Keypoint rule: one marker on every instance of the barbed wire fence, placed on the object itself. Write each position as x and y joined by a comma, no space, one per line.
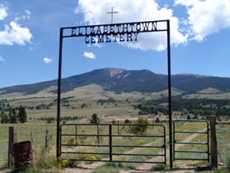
42,138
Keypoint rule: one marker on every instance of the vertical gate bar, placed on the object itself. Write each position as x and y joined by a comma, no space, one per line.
110,143
169,93
76,132
165,152
59,94
208,141
174,139
60,141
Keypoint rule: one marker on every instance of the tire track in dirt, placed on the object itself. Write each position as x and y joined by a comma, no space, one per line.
144,168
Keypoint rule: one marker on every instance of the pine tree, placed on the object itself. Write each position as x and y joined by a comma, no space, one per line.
4,117
22,115
12,116
94,119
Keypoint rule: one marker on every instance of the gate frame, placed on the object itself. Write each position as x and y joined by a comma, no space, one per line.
61,39
110,145
207,133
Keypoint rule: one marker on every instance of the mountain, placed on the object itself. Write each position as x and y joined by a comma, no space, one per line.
121,80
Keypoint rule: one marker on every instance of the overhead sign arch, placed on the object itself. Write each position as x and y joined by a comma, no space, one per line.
111,33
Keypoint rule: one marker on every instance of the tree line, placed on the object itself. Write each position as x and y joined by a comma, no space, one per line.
14,115
201,107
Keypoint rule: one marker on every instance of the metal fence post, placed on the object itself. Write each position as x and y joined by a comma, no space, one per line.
76,135
208,141
110,143
165,151
169,95
174,139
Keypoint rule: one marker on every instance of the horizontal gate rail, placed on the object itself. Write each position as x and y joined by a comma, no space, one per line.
192,143
195,159
110,146
117,161
187,132
184,151
114,146
84,153
95,135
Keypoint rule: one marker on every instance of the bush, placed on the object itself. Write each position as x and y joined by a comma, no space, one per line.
46,163
12,116
140,126
159,167
65,163
22,115
28,170
127,121
92,157
140,142
4,117
94,119
228,162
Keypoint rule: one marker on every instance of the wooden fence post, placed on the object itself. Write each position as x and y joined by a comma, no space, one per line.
46,140
98,134
213,143
10,146
76,133
118,127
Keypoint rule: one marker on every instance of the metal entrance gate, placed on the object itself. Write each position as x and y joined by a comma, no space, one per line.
192,143
130,143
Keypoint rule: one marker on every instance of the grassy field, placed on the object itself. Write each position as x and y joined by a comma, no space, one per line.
36,133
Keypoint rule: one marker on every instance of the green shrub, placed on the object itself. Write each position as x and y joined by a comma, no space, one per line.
221,170
108,168
228,162
140,142
159,167
140,126
47,163
127,121
92,157
65,163
27,170
94,119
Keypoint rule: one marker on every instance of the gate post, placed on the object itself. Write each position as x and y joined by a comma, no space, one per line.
110,143
213,142
10,146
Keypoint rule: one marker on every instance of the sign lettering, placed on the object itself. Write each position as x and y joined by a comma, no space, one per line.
113,32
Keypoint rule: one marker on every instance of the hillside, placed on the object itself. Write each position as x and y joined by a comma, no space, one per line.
120,80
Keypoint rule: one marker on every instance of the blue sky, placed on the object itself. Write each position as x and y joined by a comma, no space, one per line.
29,33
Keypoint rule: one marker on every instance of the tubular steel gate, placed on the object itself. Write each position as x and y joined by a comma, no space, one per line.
114,143
193,143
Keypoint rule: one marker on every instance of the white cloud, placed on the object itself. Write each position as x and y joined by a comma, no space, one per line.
2,59
134,10
14,33
206,17
89,55
24,16
47,60
3,12
28,12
